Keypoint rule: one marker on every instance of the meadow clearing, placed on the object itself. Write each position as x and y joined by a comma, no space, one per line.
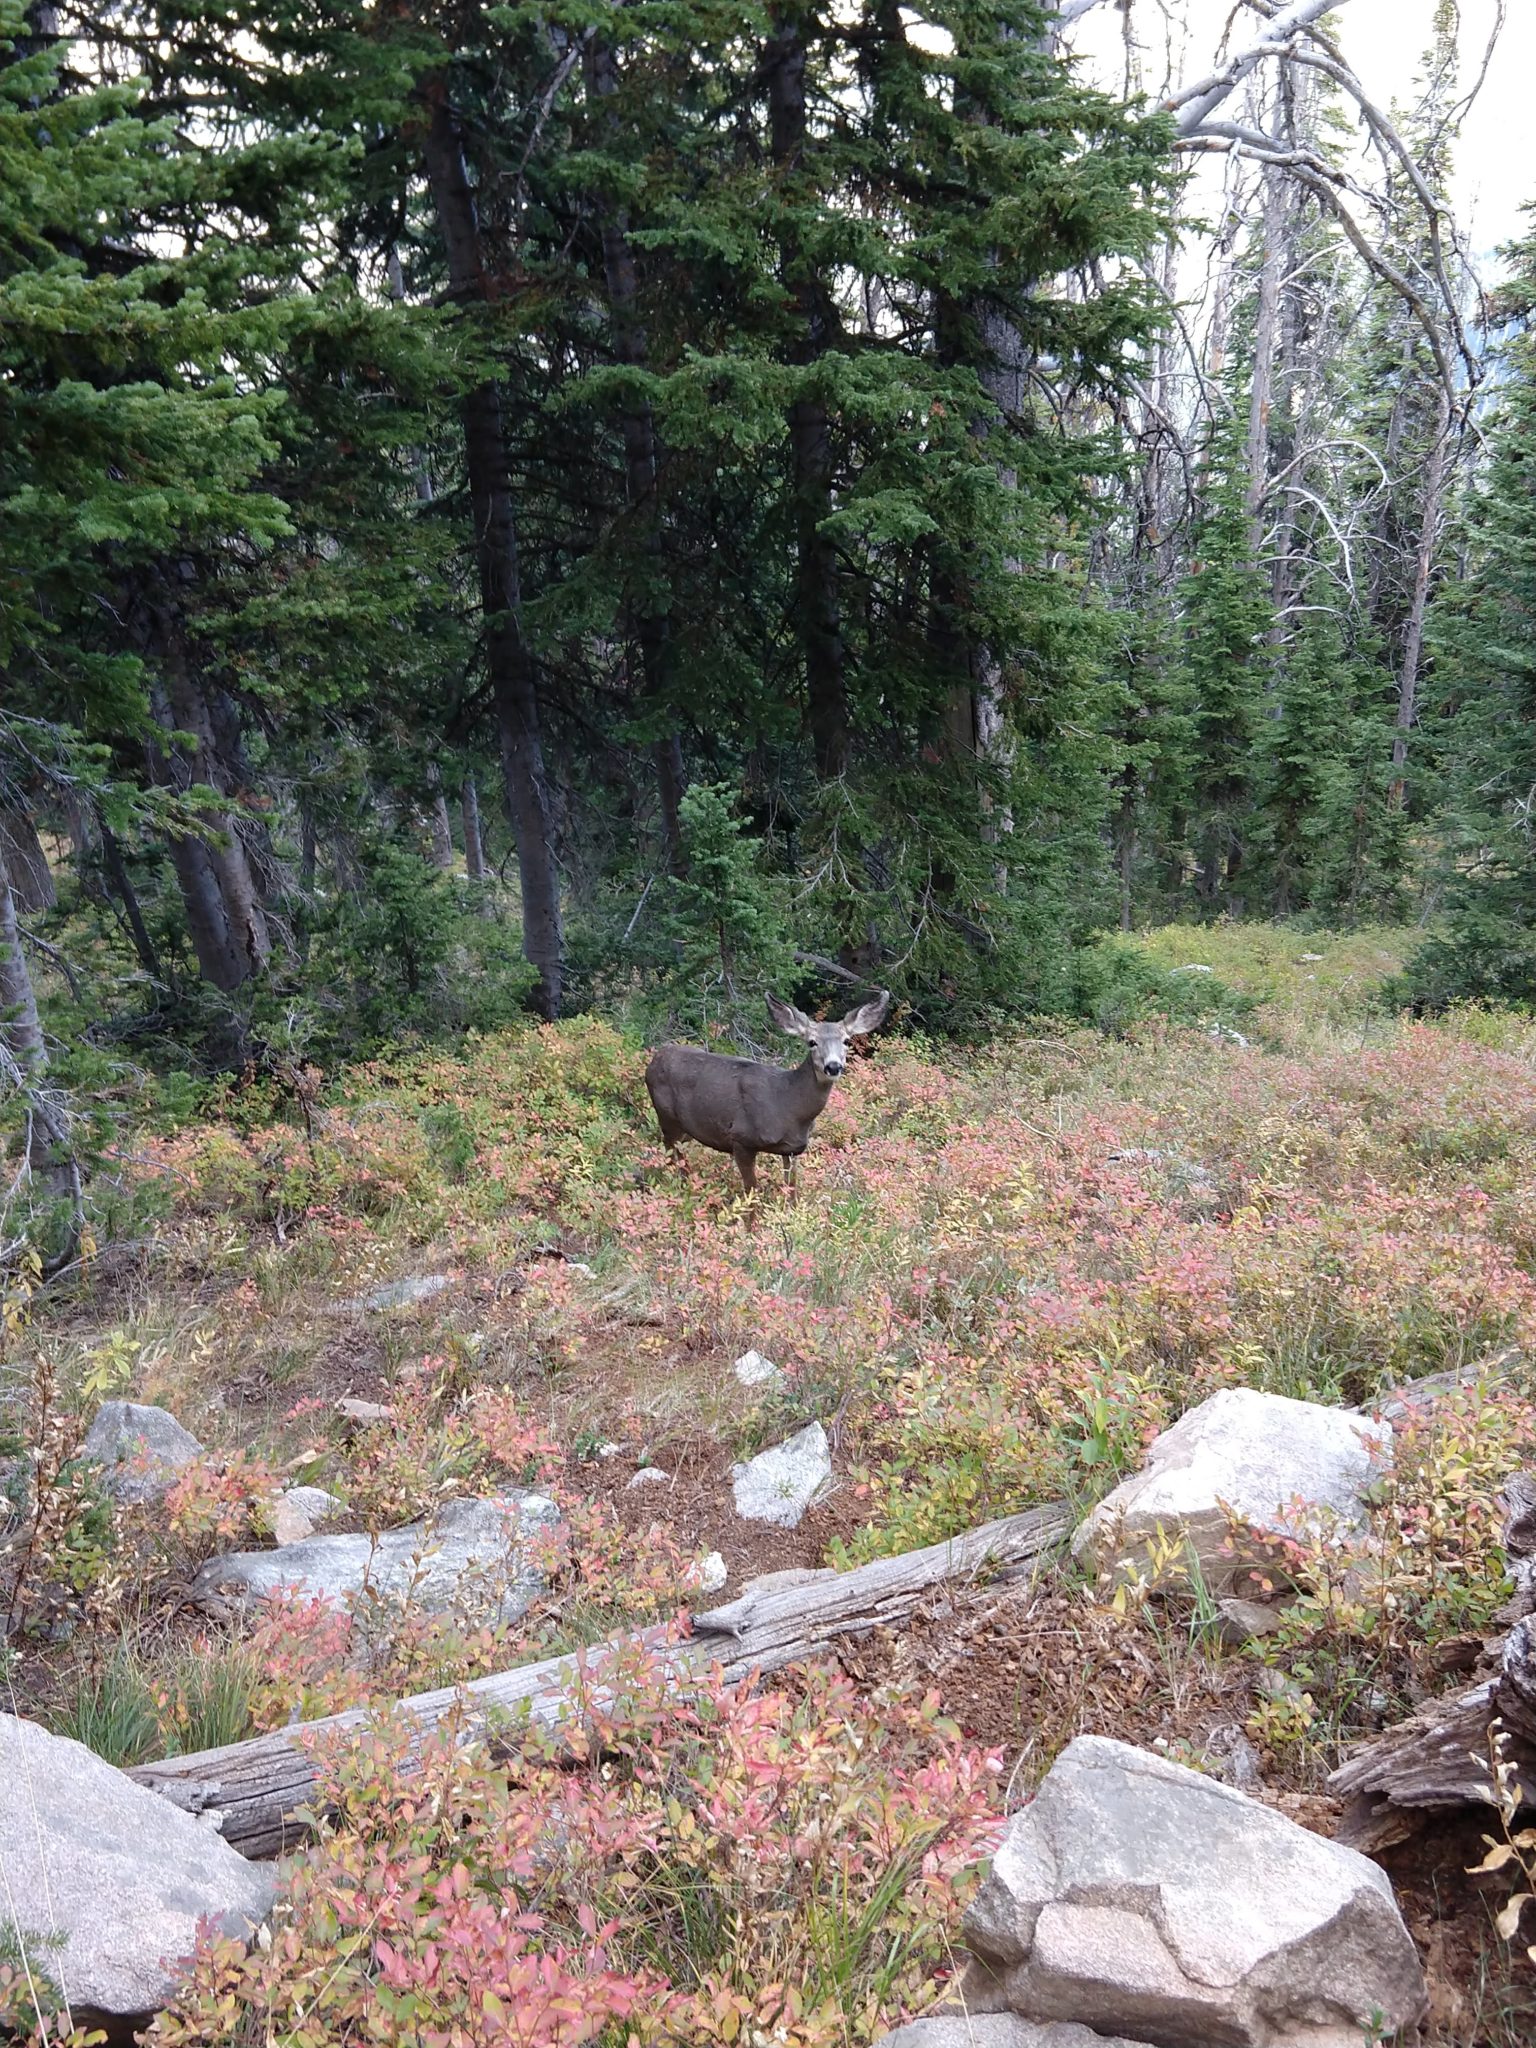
1009,1267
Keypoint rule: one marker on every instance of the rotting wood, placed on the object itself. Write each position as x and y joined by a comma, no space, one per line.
257,1788
1442,1756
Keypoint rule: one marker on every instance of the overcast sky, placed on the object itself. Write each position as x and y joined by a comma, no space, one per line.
1384,40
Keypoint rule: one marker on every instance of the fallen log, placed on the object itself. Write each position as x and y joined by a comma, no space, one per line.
253,1792
1444,1755
1395,1404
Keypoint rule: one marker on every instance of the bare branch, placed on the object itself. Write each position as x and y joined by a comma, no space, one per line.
1194,104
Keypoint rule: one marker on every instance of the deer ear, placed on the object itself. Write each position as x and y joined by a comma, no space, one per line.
789,1019
868,1016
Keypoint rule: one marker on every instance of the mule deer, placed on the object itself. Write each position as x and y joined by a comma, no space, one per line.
745,1107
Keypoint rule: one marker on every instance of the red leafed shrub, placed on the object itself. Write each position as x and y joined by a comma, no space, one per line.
726,1868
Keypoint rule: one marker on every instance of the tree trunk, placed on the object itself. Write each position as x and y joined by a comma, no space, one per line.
510,662
1413,637
224,912
118,876
50,1160
1126,836
1266,331
440,823
22,852
817,591
474,845
637,426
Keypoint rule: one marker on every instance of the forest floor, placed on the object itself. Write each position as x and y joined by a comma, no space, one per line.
1008,1268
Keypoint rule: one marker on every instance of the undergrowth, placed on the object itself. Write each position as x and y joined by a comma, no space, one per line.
1008,1270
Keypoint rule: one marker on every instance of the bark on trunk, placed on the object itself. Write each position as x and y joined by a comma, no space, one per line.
50,1158
223,905
637,426
1413,637
817,583
1126,836
474,844
510,662
22,852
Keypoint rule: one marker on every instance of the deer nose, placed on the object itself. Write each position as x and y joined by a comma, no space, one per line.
834,1068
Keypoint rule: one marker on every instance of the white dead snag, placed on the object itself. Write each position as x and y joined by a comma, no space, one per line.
1424,560
1194,104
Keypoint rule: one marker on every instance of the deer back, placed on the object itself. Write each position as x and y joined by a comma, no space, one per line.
726,1103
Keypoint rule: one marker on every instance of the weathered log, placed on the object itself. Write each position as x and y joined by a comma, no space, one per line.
258,1788
1395,1403
1443,1755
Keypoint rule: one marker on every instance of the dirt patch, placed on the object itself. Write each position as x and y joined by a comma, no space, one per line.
1482,1990
695,1503
1028,1667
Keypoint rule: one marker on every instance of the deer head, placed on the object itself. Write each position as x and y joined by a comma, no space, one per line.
829,1042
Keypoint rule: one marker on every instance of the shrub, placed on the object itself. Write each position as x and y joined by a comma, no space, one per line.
736,1868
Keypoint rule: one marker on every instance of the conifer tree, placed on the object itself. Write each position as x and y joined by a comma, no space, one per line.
1485,643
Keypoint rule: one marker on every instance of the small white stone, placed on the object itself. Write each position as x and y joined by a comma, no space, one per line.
753,1369
296,1514
350,1409
707,1574
648,1475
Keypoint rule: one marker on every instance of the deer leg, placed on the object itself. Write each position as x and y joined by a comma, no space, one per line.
746,1166
791,1180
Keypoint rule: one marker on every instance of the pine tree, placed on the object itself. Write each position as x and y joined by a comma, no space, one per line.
1225,617
1485,646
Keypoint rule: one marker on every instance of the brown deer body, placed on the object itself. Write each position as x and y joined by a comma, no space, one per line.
746,1107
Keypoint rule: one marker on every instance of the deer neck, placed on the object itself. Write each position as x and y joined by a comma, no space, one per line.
811,1090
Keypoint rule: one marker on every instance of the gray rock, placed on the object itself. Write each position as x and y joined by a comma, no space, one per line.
140,1449
397,1294
471,1554
779,1485
1242,1620
754,1370
108,1880
997,2030
296,1514
1144,1899
1228,1754
1276,1464
648,1475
